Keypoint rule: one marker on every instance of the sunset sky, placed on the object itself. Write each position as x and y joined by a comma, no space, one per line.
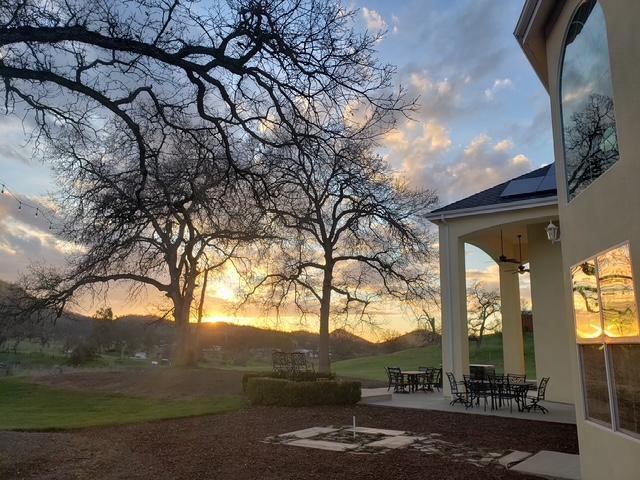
484,117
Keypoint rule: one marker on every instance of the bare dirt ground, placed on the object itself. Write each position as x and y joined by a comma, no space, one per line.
230,446
150,382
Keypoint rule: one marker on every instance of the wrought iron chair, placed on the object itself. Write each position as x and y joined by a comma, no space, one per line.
534,401
437,379
459,396
396,379
426,381
477,389
514,378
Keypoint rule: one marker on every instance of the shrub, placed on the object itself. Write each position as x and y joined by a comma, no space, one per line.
82,354
288,393
300,377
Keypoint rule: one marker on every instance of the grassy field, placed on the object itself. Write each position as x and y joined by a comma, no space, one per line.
33,356
490,352
26,406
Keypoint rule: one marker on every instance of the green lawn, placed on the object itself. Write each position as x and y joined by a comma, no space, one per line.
490,352
33,356
27,406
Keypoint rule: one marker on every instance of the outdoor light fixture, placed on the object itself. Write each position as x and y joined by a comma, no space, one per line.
553,232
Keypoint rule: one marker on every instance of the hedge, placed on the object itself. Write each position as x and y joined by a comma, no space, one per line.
300,377
288,393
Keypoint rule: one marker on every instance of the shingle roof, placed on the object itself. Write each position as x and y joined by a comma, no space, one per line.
494,195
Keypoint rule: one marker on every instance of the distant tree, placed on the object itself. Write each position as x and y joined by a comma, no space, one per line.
351,234
103,334
484,306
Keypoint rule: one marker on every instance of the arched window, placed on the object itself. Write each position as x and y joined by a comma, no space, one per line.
586,93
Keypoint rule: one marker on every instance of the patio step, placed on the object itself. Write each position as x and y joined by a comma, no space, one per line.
551,465
374,395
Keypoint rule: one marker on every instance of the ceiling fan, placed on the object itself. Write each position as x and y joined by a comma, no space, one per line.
503,258
522,269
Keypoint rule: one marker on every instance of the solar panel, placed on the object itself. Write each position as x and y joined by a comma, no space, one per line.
549,181
521,186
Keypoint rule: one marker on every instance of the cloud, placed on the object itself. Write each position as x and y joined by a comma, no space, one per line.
374,20
477,144
430,160
395,24
498,84
503,146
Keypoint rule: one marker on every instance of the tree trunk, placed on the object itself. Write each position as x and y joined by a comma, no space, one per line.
325,309
183,352
203,295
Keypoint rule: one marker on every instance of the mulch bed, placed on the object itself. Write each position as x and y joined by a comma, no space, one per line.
230,446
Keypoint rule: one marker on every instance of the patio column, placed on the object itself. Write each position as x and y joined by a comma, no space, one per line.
453,291
512,339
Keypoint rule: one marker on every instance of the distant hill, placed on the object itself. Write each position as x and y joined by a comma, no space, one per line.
414,339
237,337
74,328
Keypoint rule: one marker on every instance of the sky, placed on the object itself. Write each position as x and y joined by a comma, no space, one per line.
483,118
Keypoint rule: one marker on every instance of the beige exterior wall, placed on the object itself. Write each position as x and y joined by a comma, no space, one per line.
551,327
605,213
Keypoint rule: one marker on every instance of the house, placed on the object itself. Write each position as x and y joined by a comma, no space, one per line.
584,302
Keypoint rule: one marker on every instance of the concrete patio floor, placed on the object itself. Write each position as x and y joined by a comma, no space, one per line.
558,412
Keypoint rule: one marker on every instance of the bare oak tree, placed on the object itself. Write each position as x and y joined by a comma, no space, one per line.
351,234
484,305
160,70
244,67
189,219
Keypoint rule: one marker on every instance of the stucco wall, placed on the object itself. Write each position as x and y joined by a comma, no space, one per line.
604,214
551,326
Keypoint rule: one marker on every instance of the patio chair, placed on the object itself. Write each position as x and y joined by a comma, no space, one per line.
426,381
514,378
534,401
396,379
478,389
501,391
437,379
459,396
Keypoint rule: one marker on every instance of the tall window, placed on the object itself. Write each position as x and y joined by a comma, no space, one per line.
608,331
588,117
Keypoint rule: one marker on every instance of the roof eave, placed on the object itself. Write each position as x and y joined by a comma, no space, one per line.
436,217
531,31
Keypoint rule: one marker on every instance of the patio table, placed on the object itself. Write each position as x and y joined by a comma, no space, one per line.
413,378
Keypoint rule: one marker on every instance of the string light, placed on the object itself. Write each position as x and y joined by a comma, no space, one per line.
38,210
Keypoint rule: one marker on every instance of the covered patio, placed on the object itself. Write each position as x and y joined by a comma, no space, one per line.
437,401
508,222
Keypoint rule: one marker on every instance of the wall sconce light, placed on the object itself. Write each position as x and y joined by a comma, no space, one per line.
553,232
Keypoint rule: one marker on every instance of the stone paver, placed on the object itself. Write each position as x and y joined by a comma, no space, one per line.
323,445
310,432
379,431
398,441
513,457
548,464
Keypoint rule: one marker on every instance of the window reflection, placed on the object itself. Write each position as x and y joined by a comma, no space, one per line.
616,293
594,373
585,300
626,367
590,140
